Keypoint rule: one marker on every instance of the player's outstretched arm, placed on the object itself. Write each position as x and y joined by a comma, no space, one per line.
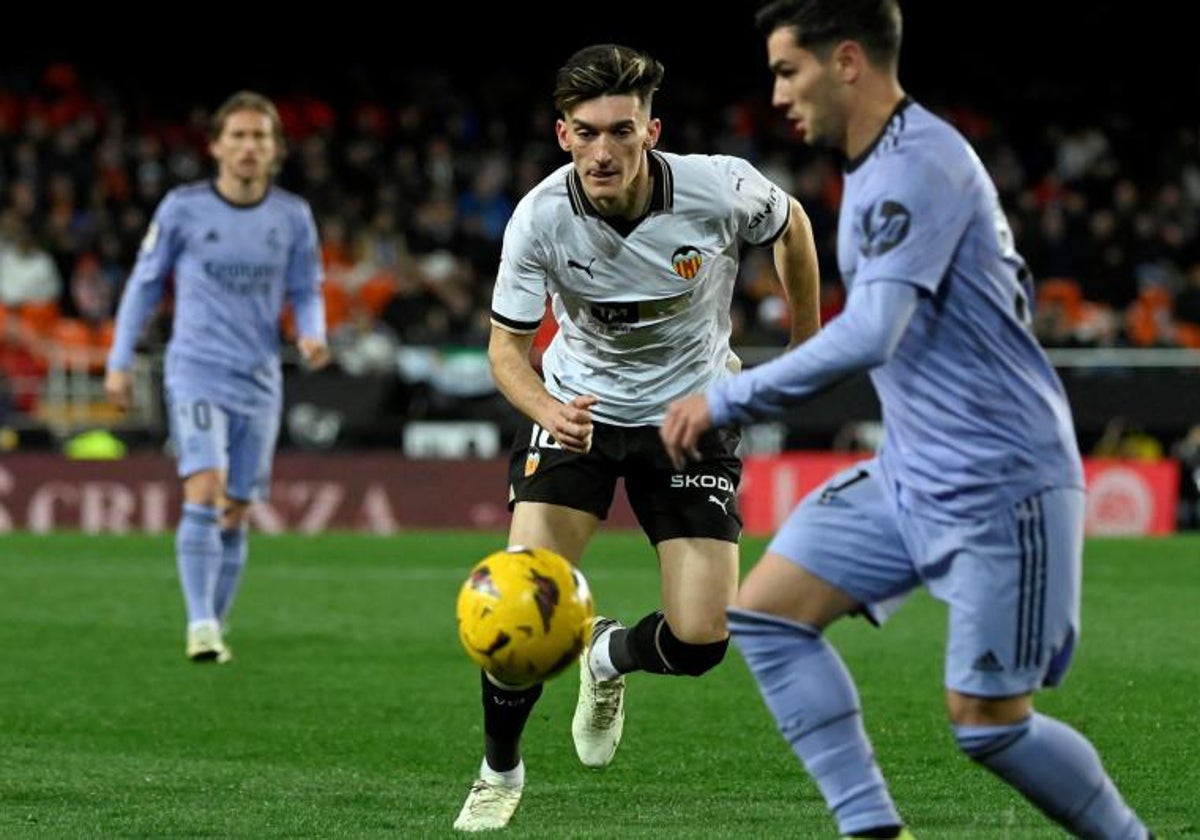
864,336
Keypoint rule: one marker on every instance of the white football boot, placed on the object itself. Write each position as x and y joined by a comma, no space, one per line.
600,711
205,644
491,802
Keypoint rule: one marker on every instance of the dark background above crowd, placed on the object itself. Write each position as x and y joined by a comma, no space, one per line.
1068,59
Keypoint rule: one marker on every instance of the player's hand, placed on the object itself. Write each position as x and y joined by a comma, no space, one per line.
571,424
686,420
118,387
314,352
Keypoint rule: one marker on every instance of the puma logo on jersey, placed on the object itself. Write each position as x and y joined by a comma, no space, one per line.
586,269
719,503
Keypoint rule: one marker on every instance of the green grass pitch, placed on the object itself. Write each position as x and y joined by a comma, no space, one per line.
351,711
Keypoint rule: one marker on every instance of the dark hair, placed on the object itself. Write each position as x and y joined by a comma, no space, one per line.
820,25
606,70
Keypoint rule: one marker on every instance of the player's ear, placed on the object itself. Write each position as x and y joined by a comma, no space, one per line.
848,61
653,131
563,134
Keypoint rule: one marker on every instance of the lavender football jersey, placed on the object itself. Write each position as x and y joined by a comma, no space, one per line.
233,268
975,416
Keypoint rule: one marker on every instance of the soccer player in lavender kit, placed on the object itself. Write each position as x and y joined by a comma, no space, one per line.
238,247
977,491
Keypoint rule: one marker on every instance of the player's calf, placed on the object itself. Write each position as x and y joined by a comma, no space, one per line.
1056,769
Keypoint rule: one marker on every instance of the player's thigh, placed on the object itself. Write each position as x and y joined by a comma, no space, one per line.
558,498
698,502
844,533
1012,584
542,472
778,586
563,530
199,430
699,580
252,438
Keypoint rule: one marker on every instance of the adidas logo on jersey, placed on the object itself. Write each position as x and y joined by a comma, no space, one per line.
988,663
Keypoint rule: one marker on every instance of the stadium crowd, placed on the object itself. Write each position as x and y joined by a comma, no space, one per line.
412,195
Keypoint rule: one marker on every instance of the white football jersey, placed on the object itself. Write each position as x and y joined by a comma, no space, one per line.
642,309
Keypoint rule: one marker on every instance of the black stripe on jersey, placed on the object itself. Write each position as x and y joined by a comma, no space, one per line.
1023,585
509,324
579,202
893,128
1039,584
1032,601
664,197
775,236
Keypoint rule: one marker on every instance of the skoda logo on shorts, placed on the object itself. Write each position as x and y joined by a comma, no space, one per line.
702,482
882,226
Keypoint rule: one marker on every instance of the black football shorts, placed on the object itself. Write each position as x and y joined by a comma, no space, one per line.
700,501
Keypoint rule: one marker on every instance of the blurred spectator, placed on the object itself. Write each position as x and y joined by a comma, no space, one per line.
1107,274
1148,320
1110,206
28,273
380,246
364,345
95,283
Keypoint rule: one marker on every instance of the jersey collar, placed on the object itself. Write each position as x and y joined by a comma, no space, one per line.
893,126
662,191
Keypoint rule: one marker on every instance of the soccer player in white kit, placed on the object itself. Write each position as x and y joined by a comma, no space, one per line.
637,251
977,491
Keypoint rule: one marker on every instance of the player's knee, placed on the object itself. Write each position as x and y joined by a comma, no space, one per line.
234,515
203,488
981,743
657,649
972,710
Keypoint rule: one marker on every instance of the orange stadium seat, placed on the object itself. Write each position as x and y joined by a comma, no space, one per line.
1188,335
337,304
38,317
74,343
376,292
1064,292
1147,316
102,334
